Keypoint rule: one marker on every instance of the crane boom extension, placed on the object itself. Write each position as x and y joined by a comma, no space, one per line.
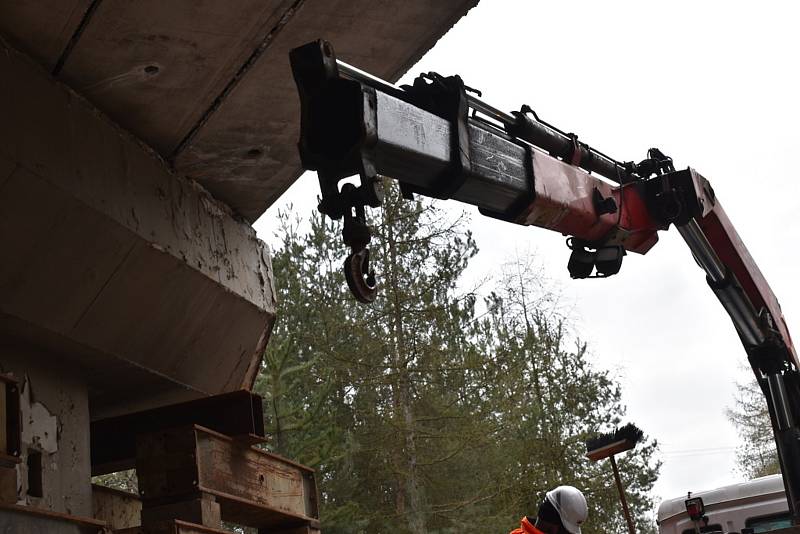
438,139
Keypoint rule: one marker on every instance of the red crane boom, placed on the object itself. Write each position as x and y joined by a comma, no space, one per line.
438,139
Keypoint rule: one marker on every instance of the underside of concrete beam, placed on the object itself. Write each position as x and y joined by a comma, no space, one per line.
208,84
117,263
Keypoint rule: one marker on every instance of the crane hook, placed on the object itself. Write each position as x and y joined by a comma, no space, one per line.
360,277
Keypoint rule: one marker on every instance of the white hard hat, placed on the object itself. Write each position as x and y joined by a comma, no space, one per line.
571,506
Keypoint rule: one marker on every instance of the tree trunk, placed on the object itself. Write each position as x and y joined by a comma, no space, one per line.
408,499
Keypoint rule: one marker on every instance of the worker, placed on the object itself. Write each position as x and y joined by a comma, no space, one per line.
562,512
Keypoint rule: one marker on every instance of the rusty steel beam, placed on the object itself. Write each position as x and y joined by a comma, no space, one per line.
113,440
251,486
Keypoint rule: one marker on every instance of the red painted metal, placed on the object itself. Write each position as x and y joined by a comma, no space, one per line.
564,203
730,249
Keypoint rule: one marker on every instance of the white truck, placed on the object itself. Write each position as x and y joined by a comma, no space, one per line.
758,505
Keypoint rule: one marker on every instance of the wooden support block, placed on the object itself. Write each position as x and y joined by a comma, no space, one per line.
253,487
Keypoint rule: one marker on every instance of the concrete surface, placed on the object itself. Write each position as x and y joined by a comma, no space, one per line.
128,270
49,387
207,84
137,140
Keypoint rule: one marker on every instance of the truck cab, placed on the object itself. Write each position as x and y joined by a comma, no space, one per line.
758,505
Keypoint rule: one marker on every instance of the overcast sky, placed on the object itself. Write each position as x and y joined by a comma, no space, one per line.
714,85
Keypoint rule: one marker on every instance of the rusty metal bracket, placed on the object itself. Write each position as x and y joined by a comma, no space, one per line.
196,474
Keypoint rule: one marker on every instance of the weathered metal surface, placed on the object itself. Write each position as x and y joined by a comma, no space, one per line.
119,509
126,269
238,413
253,487
28,520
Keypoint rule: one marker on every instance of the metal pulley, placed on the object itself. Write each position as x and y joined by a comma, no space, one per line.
359,275
360,278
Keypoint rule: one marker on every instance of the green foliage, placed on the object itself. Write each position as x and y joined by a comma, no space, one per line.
756,454
554,400
431,410
121,480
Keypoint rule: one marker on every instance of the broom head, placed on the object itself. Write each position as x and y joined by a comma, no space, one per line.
622,439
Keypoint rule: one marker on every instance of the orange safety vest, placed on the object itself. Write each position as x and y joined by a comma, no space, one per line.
526,527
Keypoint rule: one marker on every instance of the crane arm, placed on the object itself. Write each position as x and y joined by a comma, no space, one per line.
437,138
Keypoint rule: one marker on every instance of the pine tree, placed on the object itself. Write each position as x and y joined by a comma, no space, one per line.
418,414
393,373
756,454
555,399
416,347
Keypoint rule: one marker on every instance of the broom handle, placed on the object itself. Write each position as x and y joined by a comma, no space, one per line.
622,496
